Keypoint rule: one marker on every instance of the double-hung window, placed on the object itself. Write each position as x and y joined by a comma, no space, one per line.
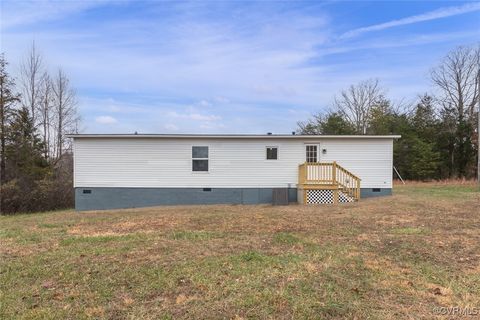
200,159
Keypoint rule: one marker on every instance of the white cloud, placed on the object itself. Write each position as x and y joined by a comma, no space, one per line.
105,120
195,116
220,99
209,126
432,15
171,127
110,105
204,103
29,12
409,40
201,117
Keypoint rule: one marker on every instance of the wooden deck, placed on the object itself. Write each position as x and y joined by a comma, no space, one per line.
327,181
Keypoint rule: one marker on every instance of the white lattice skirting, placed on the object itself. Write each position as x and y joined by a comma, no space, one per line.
344,197
319,196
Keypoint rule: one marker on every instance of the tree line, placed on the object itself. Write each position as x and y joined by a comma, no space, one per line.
439,131
36,113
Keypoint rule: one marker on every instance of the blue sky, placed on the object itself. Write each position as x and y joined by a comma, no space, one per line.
231,67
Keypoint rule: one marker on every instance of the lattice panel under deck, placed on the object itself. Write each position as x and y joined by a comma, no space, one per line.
344,197
319,196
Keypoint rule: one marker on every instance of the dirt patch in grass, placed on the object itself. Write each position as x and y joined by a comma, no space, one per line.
395,257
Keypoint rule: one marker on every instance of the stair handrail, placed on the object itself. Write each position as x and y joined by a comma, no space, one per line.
352,186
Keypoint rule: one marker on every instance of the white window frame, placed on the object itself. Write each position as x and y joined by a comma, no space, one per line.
317,145
208,159
278,153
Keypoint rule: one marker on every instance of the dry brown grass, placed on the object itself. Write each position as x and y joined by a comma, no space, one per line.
388,258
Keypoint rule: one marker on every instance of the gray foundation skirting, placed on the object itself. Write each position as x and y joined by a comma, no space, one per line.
374,192
119,198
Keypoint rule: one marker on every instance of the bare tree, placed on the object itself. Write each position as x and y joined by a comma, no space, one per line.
46,96
478,116
457,81
31,71
456,78
355,103
65,111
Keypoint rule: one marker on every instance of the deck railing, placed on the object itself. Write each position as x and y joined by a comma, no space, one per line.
316,174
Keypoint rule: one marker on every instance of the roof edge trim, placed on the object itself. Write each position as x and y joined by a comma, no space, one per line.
232,136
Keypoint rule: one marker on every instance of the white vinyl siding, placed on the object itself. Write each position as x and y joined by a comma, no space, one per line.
369,159
167,162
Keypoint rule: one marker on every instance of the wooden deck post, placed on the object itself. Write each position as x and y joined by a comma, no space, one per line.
334,172
358,190
302,174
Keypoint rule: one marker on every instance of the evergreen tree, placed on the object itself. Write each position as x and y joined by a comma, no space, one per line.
381,117
332,123
24,148
424,119
421,157
8,98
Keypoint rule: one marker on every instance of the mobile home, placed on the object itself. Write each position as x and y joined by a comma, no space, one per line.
139,170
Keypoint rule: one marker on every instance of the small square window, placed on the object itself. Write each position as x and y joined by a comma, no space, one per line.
272,153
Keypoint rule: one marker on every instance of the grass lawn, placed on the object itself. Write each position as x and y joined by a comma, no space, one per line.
389,258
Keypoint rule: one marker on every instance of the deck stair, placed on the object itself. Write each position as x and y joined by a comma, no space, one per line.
327,183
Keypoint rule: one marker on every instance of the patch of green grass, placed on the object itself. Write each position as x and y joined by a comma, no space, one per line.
410,230
49,225
407,250
10,233
73,240
194,235
21,236
438,191
285,238
431,273
252,256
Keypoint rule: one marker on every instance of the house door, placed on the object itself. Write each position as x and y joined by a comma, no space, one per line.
312,153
